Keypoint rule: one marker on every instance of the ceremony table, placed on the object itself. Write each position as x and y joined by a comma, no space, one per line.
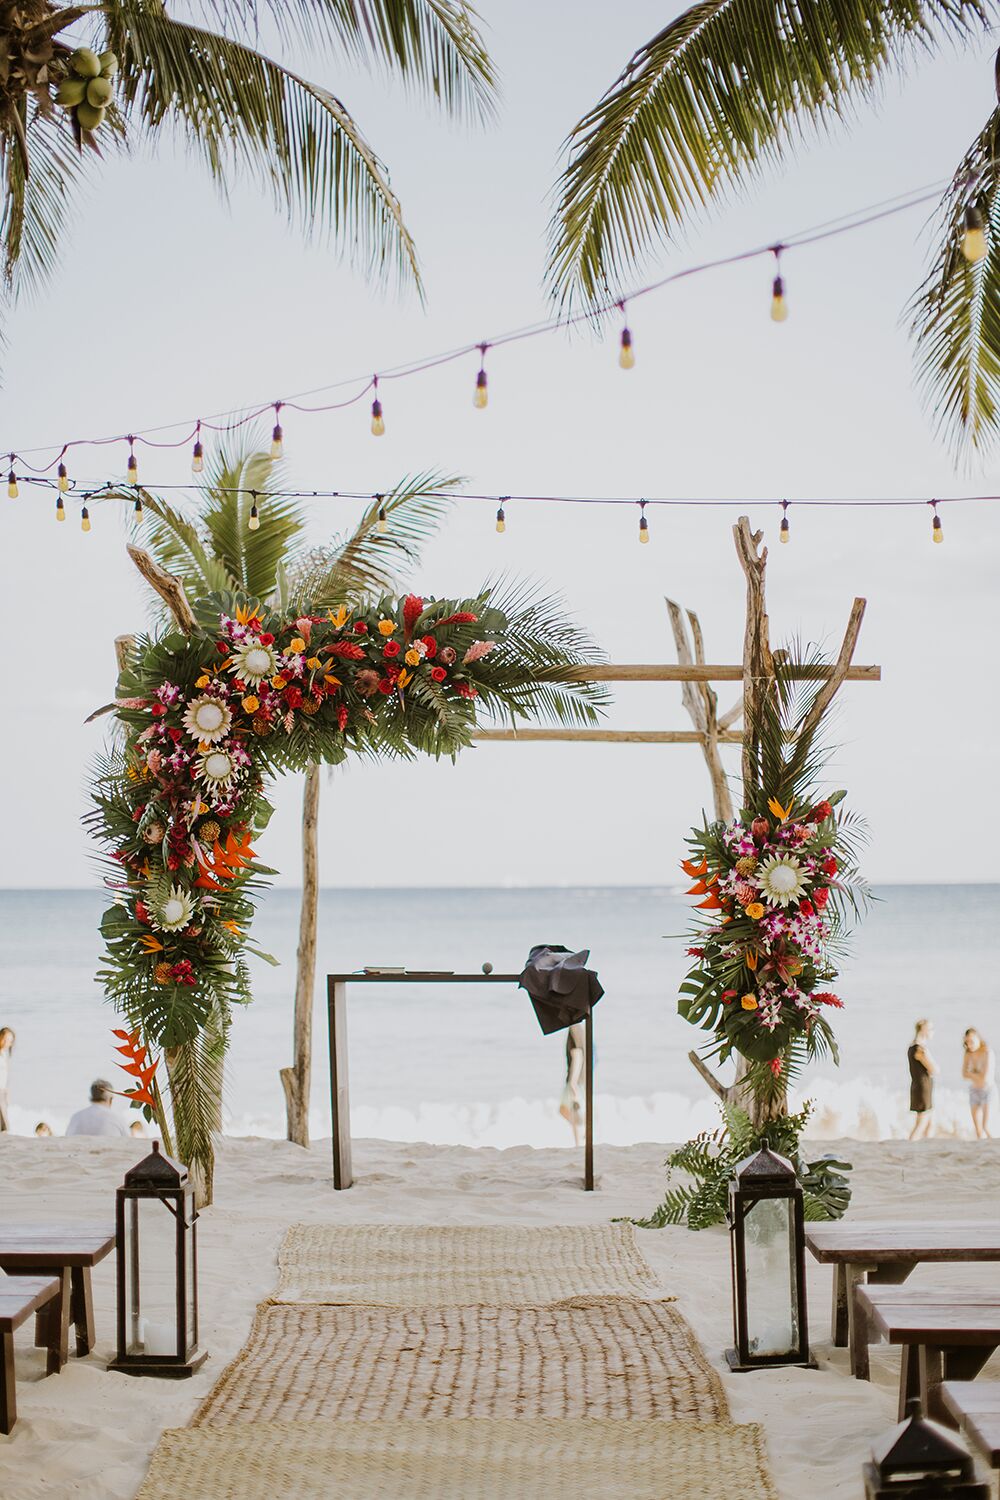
336,1002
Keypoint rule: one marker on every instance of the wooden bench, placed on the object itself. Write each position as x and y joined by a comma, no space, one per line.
974,1405
944,1336
20,1296
884,1254
69,1252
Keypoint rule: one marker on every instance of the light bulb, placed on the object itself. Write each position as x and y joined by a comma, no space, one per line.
137,509
197,458
785,532
937,530
277,441
974,245
378,425
133,469
501,521
643,530
482,395
12,490
63,479
60,509
382,525
626,354
85,519
254,521
779,307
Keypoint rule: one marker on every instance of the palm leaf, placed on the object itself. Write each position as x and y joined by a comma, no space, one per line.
955,316
239,109
716,97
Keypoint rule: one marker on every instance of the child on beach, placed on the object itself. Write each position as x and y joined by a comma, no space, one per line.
6,1048
922,1071
569,1105
979,1069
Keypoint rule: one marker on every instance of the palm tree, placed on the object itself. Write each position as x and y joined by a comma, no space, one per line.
240,111
219,553
725,92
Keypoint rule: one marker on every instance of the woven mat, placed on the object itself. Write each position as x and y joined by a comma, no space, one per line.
489,1265
465,1460
621,1359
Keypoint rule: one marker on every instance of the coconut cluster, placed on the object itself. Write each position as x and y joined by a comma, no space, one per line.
87,91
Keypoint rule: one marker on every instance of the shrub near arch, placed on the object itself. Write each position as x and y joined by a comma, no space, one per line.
211,716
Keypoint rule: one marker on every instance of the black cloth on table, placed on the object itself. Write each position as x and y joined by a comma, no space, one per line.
562,989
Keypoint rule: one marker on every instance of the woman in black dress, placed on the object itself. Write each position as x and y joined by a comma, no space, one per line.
922,1071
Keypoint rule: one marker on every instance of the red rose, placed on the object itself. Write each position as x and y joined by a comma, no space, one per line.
391,648
158,710
293,697
438,674
430,646
728,996
267,639
360,628
342,717
830,866
821,896
806,909
385,686
222,647
175,735
141,912
820,812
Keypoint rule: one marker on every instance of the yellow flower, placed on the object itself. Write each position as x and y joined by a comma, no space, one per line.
244,613
150,943
314,664
251,704
749,1002
412,658
297,643
386,627
403,678
755,910
339,617
277,683
784,813
330,680
751,959
234,928
203,681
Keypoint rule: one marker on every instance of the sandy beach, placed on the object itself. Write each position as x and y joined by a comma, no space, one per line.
88,1435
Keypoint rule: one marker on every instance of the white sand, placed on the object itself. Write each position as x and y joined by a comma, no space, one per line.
87,1435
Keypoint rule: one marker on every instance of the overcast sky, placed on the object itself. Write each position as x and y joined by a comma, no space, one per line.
168,305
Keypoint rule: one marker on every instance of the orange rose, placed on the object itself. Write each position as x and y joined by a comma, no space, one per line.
749,1002
755,910
297,644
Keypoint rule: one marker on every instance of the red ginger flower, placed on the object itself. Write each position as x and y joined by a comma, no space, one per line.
830,866
824,997
820,812
462,618
413,608
342,717
775,1066
346,649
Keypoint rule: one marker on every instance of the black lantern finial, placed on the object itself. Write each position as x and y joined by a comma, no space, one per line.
922,1460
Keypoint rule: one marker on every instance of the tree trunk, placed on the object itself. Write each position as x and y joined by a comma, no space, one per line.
297,1079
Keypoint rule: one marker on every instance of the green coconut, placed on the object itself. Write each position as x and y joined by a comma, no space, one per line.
109,64
89,115
72,91
99,92
85,62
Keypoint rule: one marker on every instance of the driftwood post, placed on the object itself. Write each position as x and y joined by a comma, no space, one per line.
297,1080
702,705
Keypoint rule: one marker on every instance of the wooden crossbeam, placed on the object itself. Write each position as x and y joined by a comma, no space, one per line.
700,672
606,736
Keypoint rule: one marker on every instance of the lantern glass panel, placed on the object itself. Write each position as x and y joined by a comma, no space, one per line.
772,1313
150,1278
191,1307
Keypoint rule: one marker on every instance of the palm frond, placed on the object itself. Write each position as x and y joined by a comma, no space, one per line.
955,316
234,481
436,46
196,1077
720,94
238,108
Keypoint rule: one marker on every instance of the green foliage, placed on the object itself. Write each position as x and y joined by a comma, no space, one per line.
710,1159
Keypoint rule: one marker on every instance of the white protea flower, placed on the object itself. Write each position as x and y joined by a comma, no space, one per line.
780,879
207,719
253,662
217,768
174,911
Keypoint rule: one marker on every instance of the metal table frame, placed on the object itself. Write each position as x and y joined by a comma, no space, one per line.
340,1105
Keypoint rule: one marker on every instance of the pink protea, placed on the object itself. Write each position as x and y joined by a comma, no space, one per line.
476,651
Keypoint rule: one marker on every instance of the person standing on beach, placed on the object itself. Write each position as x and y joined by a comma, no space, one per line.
6,1048
569,1105
979,1068
922,1071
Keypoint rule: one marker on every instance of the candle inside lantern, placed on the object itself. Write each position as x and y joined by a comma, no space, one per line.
159,1338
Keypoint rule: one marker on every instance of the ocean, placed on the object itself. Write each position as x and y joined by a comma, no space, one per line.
469,1065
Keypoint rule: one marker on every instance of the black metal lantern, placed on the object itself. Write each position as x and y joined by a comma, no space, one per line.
157,1271
767,1239
921,1460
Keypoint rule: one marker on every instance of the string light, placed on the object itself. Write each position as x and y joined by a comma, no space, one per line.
779,307
626,354
643,523
12,490
501,519
378,425
481,396
277,436
63,479
784,534
60,508
974,245
137,510
197,453
254,522
85,519
937,530
133,467
382,524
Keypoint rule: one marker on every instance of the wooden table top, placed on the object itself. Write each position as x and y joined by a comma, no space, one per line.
917,1317
20,1296
976,1405
54,1245
885,1242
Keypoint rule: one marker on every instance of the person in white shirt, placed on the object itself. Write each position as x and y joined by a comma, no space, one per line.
97,1118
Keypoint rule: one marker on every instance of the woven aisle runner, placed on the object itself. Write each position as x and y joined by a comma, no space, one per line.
531,1459
491,1265
623,1359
